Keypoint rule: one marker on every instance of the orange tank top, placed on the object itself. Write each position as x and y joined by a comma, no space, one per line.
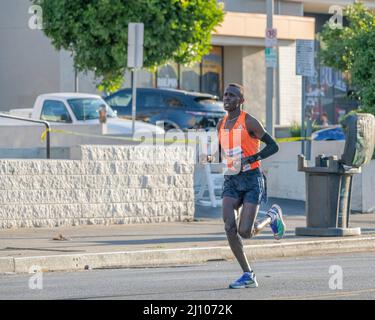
237,143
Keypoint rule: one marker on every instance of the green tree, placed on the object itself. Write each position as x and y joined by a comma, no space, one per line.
96,32
352,49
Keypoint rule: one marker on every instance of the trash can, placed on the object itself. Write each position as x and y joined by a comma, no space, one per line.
329,182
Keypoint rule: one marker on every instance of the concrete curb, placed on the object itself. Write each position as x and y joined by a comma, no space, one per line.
7,265
151,258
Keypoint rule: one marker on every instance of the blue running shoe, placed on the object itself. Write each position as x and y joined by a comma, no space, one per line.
248,280
277,224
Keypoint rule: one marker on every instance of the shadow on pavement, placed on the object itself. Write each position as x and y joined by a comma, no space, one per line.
290,207
266,235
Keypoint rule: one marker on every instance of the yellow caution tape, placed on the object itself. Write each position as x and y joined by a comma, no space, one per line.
131,139
292,139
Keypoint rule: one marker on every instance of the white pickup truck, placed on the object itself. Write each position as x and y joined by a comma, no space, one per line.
79,109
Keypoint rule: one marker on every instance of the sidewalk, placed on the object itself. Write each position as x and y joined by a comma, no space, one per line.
151,245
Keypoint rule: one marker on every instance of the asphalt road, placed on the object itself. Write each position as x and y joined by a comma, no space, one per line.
302,278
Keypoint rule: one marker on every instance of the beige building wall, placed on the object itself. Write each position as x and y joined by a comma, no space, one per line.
233,65
290,96
289,8
254,81
255,6
245,65
252,26
259,6
244,32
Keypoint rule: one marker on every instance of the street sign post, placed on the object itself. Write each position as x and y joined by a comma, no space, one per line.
271,38
305,54
271,34
305,67
135,60
271,58
135,45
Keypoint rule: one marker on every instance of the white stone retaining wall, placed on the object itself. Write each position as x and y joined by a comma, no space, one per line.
102,185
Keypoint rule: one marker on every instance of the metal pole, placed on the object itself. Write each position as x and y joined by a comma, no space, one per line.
308,135
134,99
269,77
48,138
303,116
277,89
76,80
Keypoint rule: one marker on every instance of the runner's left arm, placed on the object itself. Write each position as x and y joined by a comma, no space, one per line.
256,130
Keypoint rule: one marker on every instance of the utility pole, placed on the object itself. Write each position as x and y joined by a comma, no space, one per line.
76,80
76,74
134,98
135,61
303,117
305,67
269,76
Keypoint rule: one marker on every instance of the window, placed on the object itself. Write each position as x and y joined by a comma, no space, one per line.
172,102
207,102
55,111
206,76
328,92
88,109
190,77
122,99
151,100
168,76
212,72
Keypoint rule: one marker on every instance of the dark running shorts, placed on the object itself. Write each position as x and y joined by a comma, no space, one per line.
249,186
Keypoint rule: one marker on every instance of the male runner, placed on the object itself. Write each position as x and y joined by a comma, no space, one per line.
239,137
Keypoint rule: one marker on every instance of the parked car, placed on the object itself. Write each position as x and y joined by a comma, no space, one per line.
332,133
175,109
80,109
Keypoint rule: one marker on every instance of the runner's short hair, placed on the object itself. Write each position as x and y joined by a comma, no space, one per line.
239,87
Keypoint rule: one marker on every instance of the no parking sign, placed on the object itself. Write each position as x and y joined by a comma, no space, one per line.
271,37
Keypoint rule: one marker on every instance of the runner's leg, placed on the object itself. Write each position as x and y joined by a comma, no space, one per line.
248,227
235,242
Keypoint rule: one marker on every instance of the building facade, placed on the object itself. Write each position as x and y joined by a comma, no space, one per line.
30,66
